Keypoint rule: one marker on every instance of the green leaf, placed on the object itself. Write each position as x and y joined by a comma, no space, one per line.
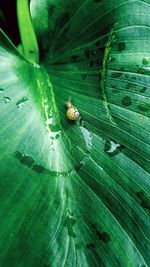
77,193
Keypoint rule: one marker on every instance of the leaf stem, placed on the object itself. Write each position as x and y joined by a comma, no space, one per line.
27,34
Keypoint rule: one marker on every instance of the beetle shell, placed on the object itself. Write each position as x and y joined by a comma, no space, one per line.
72,114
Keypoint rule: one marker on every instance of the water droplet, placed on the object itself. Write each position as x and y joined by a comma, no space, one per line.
105,237
1,90
36,66
84,75
21,102
111,146
93,53
7,99
128,85
80,166
29,162
69,223
91,63
121,46
143,89
113,59
87,137
75,57
31,51
80,122
24,159
127,101
71,172
38,168
55,135
116,74
87,53
145,200
140,195
49,121
144,107
46,104
99,63
145,61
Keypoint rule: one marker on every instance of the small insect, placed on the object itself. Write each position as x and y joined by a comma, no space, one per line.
72,112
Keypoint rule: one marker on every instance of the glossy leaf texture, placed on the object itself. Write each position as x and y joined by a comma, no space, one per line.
77,193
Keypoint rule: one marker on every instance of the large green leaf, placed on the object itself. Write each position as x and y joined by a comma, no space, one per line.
77,194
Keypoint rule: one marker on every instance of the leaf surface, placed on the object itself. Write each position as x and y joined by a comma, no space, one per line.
77,194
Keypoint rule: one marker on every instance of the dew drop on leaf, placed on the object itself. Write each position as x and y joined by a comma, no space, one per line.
7,99
36,66
144,107
69,223
87,137
121,46
49,121
31,51
87,53
91,63
58,135
75,57
145,200
84,75
24,159
143,89
116,74
127,101
21,102
38,168
105,237
47,106
1,90
145,61
80,166
111,146
93,53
